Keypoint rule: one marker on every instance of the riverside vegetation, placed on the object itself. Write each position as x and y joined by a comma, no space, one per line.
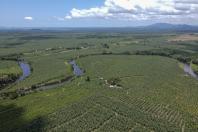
127,82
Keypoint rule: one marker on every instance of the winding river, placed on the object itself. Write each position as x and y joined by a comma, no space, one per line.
189,70
26,70
25,67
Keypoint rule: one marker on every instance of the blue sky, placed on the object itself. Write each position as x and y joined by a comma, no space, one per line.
96,13
12,12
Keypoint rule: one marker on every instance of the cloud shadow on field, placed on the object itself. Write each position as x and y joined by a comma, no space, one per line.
12,120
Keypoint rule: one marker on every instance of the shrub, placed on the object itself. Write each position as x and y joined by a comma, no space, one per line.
105,46
12,95
126,53
184,59
114,81
195,61
87,79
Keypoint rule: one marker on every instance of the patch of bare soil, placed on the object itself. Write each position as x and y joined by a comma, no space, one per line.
184,37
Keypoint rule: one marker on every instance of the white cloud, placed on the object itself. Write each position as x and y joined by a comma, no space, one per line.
140,10
29,18
59,18
68,17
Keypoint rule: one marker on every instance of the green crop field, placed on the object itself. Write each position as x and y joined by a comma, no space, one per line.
130,82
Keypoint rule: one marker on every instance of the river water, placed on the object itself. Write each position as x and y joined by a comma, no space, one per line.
76,69
26,70
188,70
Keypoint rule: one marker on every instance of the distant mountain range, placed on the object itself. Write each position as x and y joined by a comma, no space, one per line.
171,27
158,27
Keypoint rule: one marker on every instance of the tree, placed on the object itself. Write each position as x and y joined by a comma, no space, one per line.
87,79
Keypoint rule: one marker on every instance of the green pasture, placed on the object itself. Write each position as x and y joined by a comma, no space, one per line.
8,68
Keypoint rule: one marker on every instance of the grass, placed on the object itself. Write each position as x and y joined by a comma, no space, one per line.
38,105
194,67
9,67
9,72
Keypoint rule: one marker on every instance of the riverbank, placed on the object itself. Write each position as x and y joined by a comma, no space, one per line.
9,72
77,71
189,70
34,88
195,68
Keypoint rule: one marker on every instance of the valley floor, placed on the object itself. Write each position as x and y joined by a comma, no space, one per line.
129,84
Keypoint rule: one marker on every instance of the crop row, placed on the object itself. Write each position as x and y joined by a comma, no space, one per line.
159,111
90,121
107,114
137,116
163,112
122,124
